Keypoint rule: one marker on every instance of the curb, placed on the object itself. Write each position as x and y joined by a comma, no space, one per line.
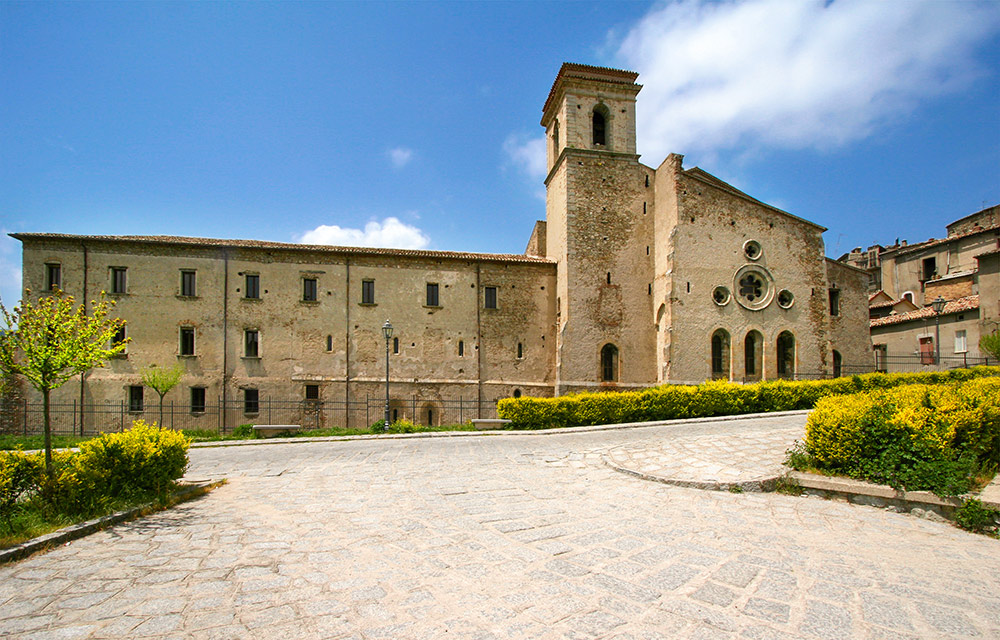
502,432
81,529
759,485
920,503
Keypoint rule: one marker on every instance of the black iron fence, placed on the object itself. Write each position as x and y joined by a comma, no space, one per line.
27,418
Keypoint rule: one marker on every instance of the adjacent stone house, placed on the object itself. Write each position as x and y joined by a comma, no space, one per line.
961,270
638,276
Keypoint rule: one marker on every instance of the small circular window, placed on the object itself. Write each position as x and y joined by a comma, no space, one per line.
752,250
785,299
754,287
721,296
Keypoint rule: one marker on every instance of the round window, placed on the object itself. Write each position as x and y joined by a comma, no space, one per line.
752,250
785,299
754,287
721,296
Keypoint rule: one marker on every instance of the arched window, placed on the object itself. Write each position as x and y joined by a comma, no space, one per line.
517,393
752,356
720,355
609,363
786,355
555,138
838,364
600,127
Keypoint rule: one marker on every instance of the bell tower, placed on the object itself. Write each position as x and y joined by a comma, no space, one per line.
599,213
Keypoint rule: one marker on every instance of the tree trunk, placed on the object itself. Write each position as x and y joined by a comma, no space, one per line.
48,433
161,410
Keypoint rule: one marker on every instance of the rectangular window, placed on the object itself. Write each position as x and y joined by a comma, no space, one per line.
490,297
961,344
251,401
367,292
929,268
188,284
834,302
309,289
432,294
461,348
53,277
395,345
312,392
197,399
187,341
118,282
252,291
135,398
251,343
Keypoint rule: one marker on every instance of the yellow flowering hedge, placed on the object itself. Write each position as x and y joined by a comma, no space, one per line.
708,399
141,463
881,434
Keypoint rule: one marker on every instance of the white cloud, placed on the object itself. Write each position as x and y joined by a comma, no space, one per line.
390,233
10,270
527,154
400,156
793,74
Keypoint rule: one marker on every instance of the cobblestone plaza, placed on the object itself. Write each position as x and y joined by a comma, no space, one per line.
510,536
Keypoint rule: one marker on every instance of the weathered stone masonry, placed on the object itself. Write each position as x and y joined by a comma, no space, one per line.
638,276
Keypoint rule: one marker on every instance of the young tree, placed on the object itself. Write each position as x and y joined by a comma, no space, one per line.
161,381
990,343
49,342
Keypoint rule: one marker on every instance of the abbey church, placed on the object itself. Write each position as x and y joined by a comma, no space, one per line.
638,276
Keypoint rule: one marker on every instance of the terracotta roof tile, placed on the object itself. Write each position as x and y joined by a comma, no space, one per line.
288,246
968,303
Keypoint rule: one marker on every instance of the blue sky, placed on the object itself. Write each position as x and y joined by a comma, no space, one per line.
416,124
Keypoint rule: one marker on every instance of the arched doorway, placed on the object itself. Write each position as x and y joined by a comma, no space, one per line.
786,355
720,355
838,364
753,356
609,363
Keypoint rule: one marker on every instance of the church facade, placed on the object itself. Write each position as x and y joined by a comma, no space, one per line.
637,277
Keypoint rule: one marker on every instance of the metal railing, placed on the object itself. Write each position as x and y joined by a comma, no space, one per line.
27,418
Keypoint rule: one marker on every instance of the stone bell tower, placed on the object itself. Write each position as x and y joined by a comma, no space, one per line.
599,219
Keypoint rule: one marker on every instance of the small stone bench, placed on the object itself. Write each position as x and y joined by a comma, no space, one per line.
489,424
268,430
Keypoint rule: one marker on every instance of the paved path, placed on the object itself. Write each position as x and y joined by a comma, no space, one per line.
512,536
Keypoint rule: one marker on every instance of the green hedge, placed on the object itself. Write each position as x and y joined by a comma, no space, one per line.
669,402
933,437
114,469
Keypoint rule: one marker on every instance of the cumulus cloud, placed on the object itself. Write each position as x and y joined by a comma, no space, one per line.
527,153
10,270
390,233
400,156
793,74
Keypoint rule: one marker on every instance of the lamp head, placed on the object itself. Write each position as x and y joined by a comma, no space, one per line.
387,329
938,305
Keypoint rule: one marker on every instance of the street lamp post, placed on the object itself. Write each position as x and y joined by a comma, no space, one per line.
387,332
938,306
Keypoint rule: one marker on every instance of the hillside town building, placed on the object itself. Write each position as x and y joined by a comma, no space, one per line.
638,276
959,269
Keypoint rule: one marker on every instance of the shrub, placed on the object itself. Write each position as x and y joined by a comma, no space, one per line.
926,437
972,515
19,474
143,461
245,431
708,399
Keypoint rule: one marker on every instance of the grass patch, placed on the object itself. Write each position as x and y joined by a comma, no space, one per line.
10,442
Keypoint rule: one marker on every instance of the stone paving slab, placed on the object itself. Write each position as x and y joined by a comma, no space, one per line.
501,537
